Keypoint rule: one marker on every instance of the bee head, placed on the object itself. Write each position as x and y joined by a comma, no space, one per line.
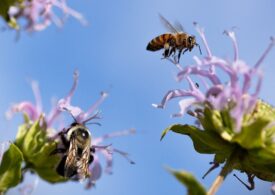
192,42
80,133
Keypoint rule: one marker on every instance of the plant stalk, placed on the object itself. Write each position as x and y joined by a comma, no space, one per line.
228,167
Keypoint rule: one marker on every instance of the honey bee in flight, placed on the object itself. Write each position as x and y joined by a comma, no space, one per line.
77,152
176,41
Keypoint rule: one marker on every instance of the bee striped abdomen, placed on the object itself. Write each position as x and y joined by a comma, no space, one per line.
158,42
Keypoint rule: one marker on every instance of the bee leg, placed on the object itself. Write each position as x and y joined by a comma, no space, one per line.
69,172
60,168
65,142
92,149
58,151
91,159
171,51
190,48
179,54
184,51
166,53
251,182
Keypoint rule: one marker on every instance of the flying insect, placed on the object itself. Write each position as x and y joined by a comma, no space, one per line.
177,40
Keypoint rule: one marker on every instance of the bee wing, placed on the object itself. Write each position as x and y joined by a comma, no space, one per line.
83,163
70,164
167,24
179,27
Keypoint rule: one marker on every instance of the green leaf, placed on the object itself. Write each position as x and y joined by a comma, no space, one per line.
264,171
207,119
36,147
227,121
252,135
4,8
13,23
30,145
48,174
21,133
205,142
10,168
218,122
177,128
187,179
220,157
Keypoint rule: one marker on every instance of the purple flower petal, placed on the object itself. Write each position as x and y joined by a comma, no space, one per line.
184,105
273,188
39,14
232,36
108,155
124,154
268,49
96,172
172,94
93,108
65,106
25,107
201,33
28,189
97,141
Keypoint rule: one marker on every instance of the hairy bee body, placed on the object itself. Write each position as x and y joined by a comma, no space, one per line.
76,152
160,41
176,41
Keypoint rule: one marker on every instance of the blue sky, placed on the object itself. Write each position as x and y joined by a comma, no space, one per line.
110,55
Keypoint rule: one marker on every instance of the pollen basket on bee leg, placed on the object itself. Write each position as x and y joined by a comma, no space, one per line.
166,46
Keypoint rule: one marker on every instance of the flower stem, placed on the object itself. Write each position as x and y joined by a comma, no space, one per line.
216,184
228,167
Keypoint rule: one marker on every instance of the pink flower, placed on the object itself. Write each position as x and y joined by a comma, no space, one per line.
39,14
107,152
80,116
35,110
235,93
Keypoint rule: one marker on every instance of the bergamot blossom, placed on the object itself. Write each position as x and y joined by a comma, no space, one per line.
91,114
39,14
35,110
235,94
38,137
233,123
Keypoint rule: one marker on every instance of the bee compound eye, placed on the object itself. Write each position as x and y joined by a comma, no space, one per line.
84,134
190,39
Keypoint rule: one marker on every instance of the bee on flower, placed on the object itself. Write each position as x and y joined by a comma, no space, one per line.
70,154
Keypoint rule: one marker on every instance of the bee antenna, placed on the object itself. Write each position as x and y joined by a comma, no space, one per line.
95,116
71,114
93,123
199,47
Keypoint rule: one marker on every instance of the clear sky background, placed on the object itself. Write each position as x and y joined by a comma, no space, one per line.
110,55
